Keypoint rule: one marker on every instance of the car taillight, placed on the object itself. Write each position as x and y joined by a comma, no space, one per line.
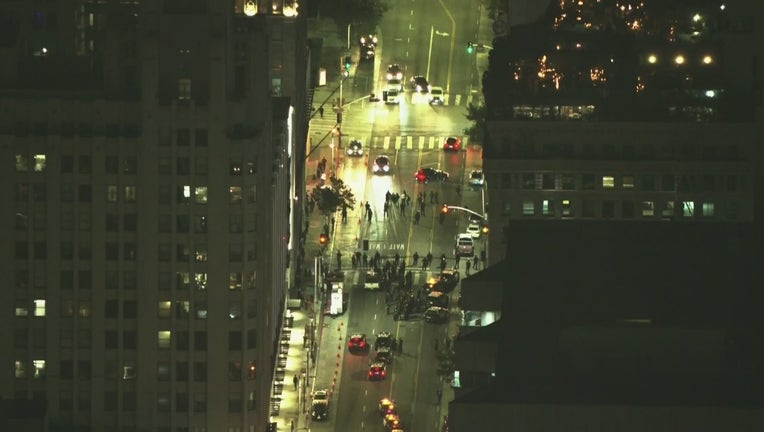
371,373
363,344
384,373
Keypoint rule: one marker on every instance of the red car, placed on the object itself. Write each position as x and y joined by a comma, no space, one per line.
452,144
377,371
357,343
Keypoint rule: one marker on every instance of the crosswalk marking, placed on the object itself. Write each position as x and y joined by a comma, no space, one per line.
420,144
432,142
458,99
386,145
398,140
409,142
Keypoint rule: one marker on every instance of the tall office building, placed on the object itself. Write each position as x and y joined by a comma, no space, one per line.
646,111
151,155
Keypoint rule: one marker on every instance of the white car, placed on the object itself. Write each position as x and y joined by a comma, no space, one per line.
395,84
437,96
473,229
477,178
393,96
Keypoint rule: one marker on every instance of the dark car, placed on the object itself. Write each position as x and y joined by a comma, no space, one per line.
355,148
420,84
426,175
437,298
452,144
436,315
446,281
384,355
394,72
320,405
357,343
377,371
384,339
381,165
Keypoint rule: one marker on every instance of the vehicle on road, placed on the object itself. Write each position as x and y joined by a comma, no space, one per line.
437,96
426,175
385,404
438,299
394,72
320,405
355,148
391,422
381,165
393,96
384,339
368,47
465,246
445,282
395,84
420,84
474,230
371,282
452,144
377,371
357,343
436,315
384,355
477,178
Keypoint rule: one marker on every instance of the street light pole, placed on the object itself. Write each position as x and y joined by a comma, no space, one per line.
348,37
429,53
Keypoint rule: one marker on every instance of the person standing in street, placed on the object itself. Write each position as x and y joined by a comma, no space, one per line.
439,394
400,346
416,258
339,260
321,111
296,381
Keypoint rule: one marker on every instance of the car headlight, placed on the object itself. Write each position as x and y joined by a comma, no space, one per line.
375,168
418,88
389,76
386,168
360,151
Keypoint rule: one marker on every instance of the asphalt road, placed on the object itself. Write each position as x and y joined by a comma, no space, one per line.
412,135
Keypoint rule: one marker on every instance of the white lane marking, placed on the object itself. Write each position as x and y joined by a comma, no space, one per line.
458,99
398,140
386,143
409,142
420,144
432,143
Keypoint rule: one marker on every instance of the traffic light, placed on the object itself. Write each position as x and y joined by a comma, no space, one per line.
323,239
470,47
444,209
348,62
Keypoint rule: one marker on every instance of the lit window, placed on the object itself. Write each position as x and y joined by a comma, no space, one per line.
628,182
39,368
567,208
529,209
84,309
547,207
200,194
165,308
129,193
184,89
201,281
235,193
235,169
252,194
668,209
251,168
200,253
648,208
39,308
251,369
200,310
20,368
22,310
39,163
234,281
112,193
608,182
688,208
708,209
234,309
128,371
22,164
507,208
164,339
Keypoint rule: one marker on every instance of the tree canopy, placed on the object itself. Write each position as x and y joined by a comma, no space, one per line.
331,197
362,15
476,114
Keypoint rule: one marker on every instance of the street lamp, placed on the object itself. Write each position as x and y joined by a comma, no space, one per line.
433,32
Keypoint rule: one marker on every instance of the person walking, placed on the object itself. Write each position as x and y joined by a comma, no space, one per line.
296,381
400,346
417,216
439,394
339,260
475,262
321,111
416,258
468,266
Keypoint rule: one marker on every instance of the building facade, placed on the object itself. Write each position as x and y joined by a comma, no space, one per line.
632,113
151,172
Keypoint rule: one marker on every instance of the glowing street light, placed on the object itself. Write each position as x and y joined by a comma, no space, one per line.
679,59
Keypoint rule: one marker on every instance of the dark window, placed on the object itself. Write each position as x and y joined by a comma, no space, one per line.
731,183
627,209
67,164
66,369
112,165
234,341
84,279
588,181
200,137
183,166
529,181
112,251
200,340
506,181
181,371
66,279
200,371
84,164
85,193
130,165
129,309
647,182
67,250
181,340
111,339
84,369
110,401
183,137
111,309
39,192
182,223
548,181
129,339
112,222
130,222
608,209
181,403
667,183
40,250
251,339
21,250
130,251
